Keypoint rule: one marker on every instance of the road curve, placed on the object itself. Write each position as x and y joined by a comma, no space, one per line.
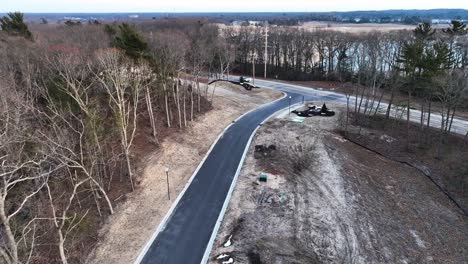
185,234
459,126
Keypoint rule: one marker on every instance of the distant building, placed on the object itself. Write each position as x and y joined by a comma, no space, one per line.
237,22
254,23
441,21
246,23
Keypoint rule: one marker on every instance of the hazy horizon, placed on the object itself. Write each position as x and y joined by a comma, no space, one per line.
206,6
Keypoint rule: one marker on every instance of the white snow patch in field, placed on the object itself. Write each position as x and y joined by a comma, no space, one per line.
231,260
228,243
419,241
387,138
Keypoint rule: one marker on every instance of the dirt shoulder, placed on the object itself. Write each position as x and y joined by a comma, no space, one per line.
327,200
127,231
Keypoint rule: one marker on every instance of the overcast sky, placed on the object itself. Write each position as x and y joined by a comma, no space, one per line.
220,5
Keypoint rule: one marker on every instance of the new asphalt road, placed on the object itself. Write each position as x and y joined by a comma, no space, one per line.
459,126
186,233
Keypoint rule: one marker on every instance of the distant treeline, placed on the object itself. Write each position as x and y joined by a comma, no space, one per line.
275,18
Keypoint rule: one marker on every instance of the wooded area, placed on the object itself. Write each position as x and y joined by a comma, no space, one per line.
426,65
77,98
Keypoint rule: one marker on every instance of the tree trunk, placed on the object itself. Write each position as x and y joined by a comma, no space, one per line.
63,257
429,109
380,101
389,108
10,238
356,90
103,192
441,136
408,121
360,103
166,104
199,96
177,101
451,119
212,94
149,107
421,125
347,114
191,104
184,104
447,118
129,168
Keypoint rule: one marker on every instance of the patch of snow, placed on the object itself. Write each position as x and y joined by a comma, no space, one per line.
340,139
222,256
228,242
229,261
419,241
387,138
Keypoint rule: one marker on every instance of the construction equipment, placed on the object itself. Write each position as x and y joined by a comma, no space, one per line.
314,110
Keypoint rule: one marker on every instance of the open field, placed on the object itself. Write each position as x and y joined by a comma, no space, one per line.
348,27
327,200
127,231
354,28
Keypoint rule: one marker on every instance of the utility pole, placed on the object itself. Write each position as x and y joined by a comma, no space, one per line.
265,59
253,68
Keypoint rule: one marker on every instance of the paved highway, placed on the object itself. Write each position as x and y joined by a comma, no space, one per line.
185,236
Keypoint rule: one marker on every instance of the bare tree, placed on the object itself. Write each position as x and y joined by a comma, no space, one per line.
63,223
123,85
22,176
169,53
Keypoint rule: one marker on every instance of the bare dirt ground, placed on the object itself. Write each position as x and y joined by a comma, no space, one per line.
328,200
127,231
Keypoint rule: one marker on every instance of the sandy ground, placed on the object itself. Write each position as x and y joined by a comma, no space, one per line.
127,231
329,201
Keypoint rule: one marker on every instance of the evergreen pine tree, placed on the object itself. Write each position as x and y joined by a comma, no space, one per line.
13,24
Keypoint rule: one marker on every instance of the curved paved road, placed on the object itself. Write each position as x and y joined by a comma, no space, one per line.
186,233
188,230
459,126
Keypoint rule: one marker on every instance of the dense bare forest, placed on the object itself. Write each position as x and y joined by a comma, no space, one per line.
425,63
79,104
